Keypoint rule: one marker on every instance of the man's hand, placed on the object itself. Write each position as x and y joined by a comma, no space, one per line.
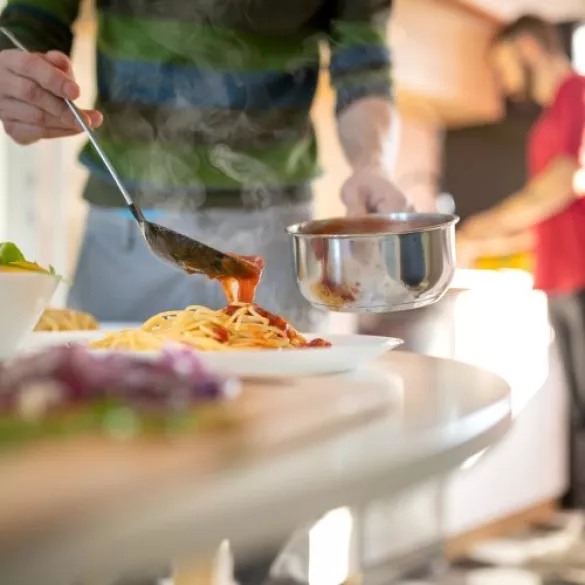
370,190
493,246
31,90
480,226
367,130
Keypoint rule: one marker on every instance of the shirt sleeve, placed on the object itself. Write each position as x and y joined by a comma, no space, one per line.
570,115
360,64
41,25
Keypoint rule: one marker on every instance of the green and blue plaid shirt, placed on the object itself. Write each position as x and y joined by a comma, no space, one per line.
213,96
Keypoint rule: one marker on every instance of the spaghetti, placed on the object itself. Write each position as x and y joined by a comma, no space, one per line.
235,327
66,320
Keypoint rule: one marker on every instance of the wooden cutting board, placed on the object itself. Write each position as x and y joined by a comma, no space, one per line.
43,483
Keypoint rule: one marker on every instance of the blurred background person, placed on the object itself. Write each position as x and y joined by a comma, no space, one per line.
206,116
548,214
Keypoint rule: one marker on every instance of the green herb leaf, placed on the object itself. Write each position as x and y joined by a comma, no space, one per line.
9,253
56,275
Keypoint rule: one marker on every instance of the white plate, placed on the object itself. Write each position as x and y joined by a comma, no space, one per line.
41,339
348,352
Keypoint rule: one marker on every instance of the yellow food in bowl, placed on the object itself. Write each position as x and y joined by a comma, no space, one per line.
23,266
13,260
518,261
66,320
26,289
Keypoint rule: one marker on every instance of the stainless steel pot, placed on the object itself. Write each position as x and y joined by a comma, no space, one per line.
377,263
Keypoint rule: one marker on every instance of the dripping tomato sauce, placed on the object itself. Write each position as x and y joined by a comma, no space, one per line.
243,288
282,324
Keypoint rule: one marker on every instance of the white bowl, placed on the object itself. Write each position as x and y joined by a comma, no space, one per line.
23,297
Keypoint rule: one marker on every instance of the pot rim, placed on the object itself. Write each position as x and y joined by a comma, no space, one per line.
437,221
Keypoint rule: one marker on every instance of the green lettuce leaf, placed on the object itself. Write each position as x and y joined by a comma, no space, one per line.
9,253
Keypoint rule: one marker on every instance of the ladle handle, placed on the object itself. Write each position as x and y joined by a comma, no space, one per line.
134,209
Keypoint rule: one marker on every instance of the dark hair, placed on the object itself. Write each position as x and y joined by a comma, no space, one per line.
545,33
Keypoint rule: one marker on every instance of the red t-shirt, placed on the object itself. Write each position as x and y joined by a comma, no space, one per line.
560,239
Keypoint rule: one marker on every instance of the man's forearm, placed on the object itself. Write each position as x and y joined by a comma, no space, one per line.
506,244
546,195
368,132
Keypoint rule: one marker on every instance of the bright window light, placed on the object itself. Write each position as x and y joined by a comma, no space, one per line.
579,49
330,548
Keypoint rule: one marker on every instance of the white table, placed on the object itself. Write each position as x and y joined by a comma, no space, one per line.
408,419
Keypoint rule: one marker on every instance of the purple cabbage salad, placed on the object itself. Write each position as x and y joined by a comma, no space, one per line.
39,392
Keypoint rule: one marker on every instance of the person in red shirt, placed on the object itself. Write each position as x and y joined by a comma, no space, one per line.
548,213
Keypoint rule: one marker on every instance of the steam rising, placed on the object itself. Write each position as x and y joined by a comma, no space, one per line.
255,177
223,136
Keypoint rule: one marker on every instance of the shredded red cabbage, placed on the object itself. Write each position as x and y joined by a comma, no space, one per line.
175,381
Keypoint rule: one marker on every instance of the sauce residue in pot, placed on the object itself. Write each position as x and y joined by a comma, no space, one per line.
330,293
348,226
333,295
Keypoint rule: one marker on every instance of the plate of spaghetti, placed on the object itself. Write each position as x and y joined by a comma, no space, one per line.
241,339
246,340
